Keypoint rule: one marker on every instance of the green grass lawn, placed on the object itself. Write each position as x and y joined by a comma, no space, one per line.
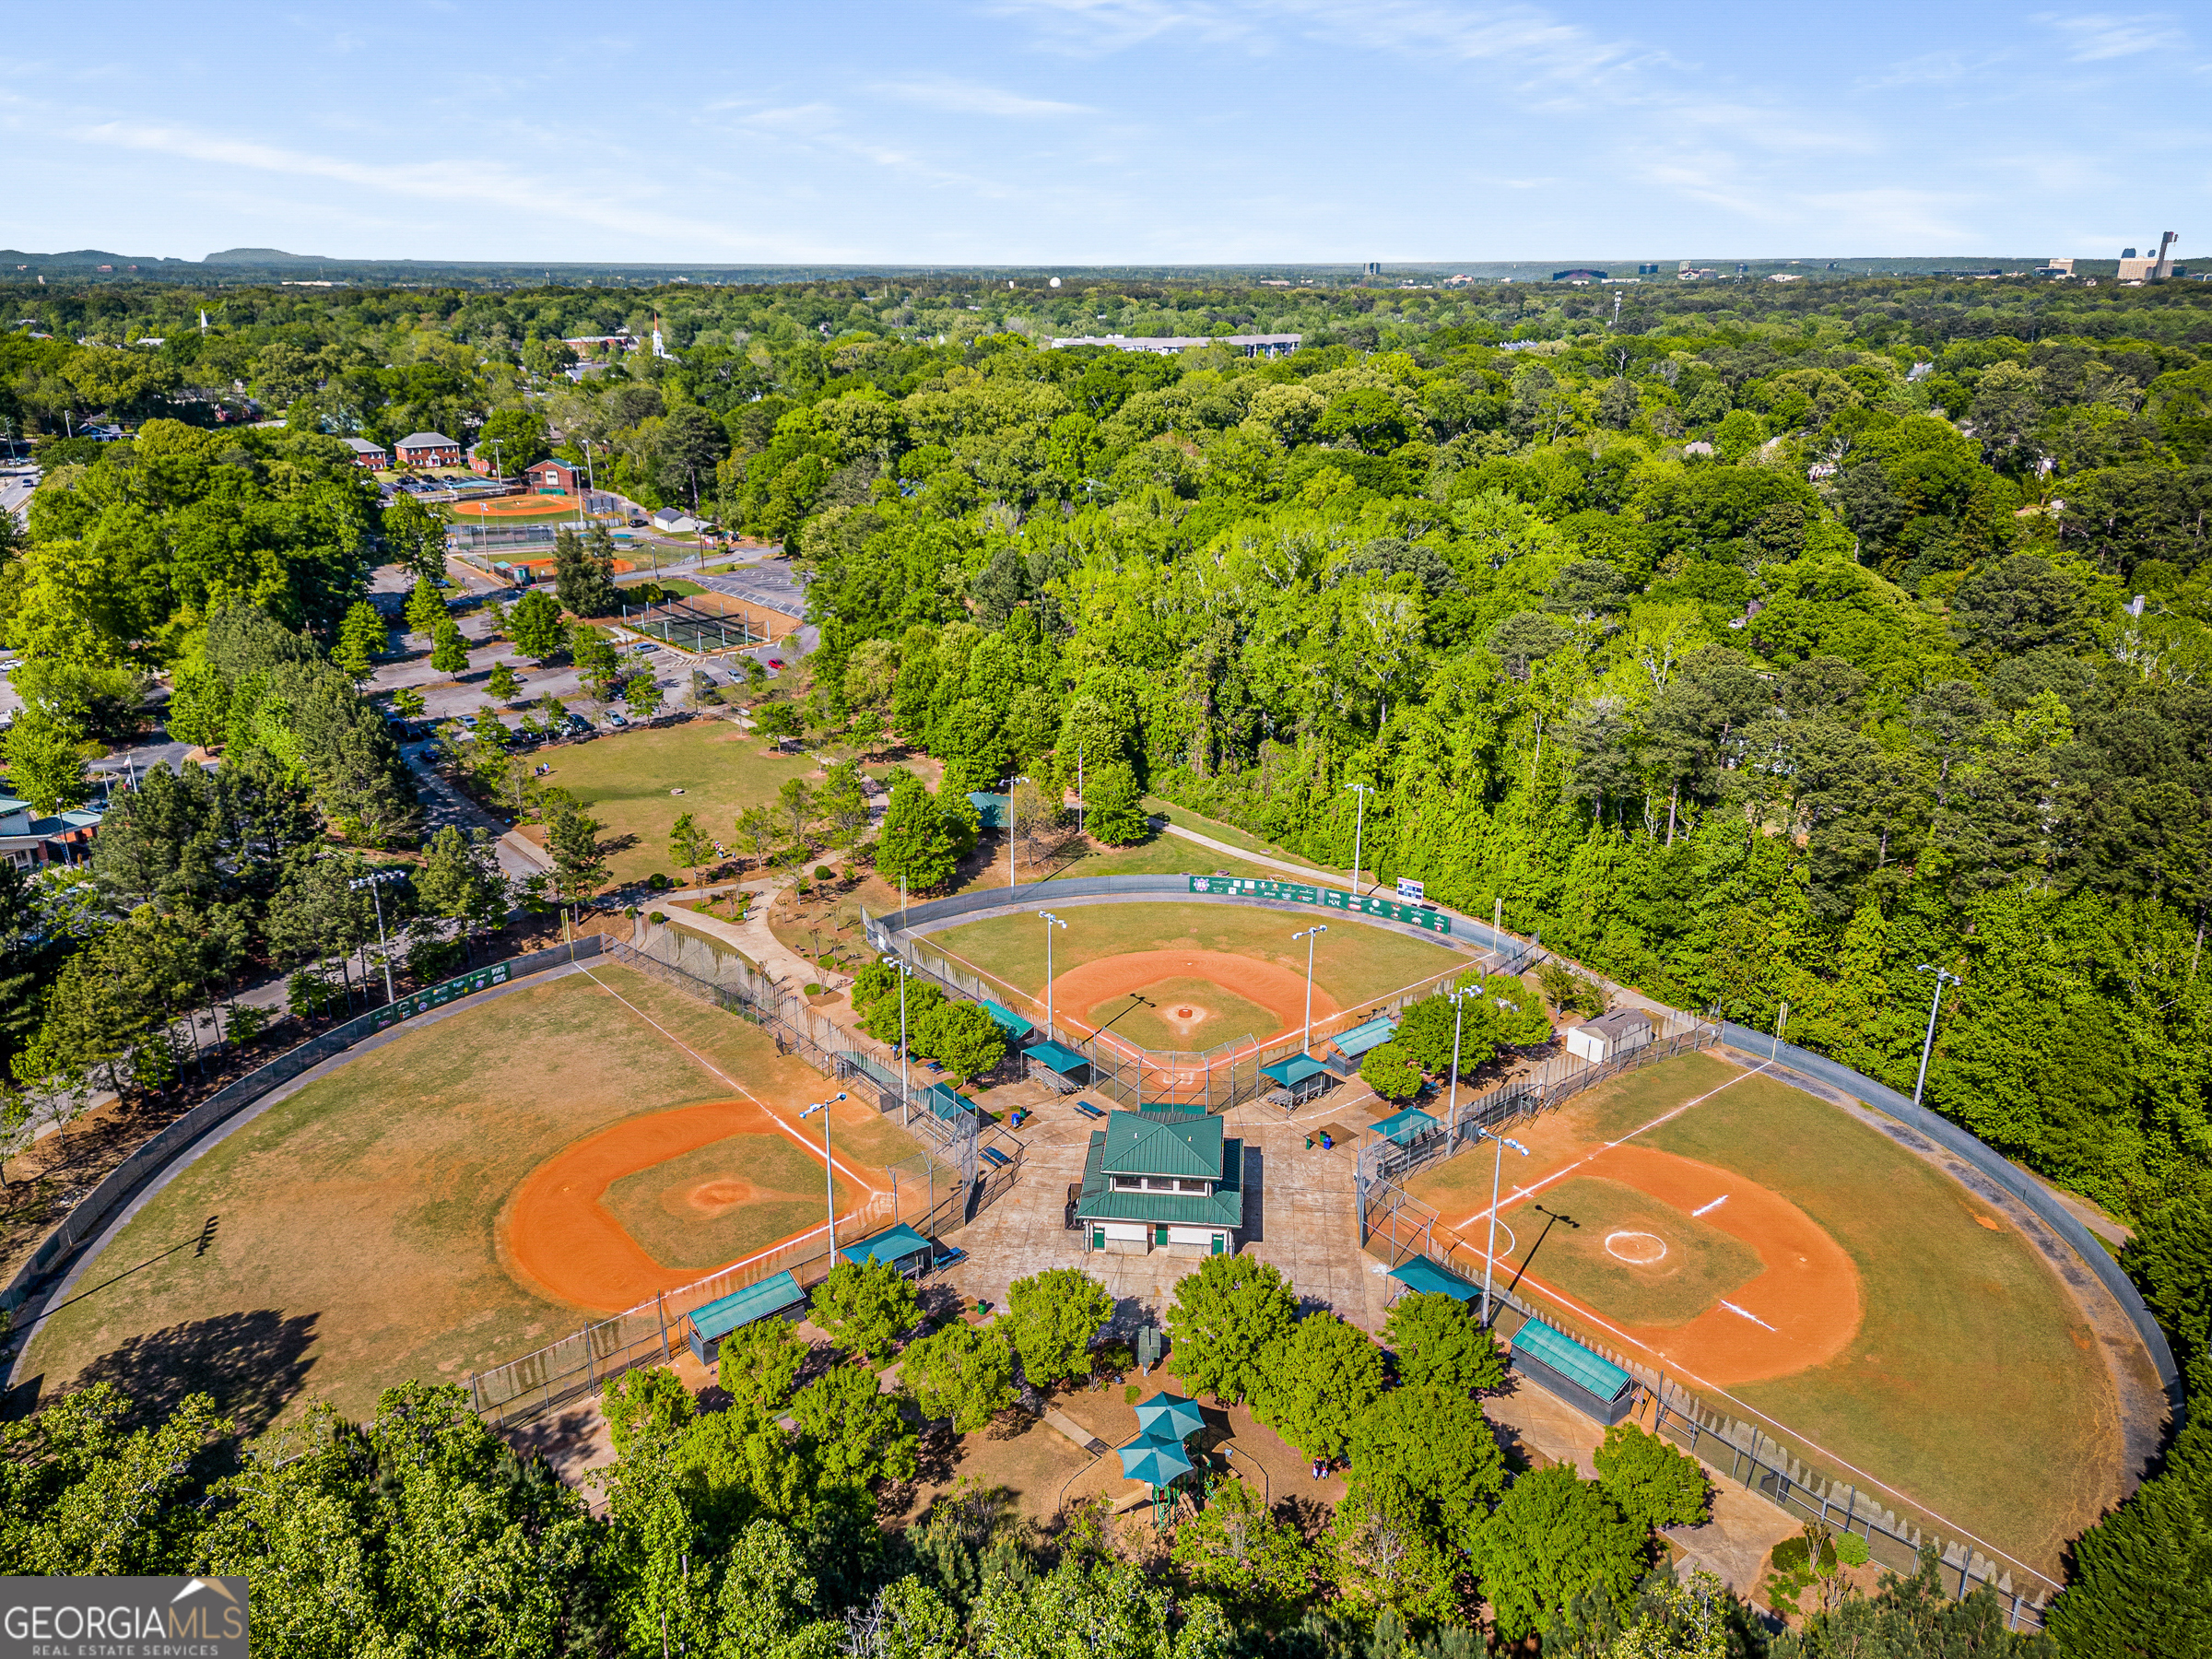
624,779
1224,1016
1231,836
786,1197
355,1241
1352,962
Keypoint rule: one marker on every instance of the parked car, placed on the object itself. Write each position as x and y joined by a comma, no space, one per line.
775,662
644,645
637,524
616,721
576,722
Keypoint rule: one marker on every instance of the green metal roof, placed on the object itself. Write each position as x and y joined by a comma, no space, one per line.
1425,1277
947,1103
1403,1126
1294,1070
1377,1031
1224,1206
724,1315
894,1244
1013,1024
1056,1058
1145,1142
1586,1370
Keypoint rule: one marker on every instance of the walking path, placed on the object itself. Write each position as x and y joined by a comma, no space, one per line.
752,937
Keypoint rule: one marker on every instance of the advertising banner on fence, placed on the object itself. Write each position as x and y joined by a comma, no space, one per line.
1327,898
421,1002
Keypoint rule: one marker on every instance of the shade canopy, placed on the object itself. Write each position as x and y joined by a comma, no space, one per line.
1006,1019
1157,1463
1169,1417
1404,1126
894,1246
1294,1070
1057,1058
1372,1034
1424,1277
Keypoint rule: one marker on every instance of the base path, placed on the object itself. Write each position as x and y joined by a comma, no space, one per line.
1279,989
557,1237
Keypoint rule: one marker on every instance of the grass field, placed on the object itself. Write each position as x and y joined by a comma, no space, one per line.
1971,1382
358,1221
1701,1262
1229,835
1352,962
1220,1015
624,779
725,1201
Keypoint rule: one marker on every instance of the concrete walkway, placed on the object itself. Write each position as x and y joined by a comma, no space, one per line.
752,937
1308,871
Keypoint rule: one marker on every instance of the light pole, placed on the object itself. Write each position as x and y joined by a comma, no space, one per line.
1308,936
1458,999
1360,828
1078,789
1944,976
373,882
1490,1256
829,1167
899,966
1007,784
1050,922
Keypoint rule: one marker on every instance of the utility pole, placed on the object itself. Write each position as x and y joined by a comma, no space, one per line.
1359,828
1490,1256
905,973
1458,999
1050,922
1008,785
1944,976
372,883
1308,936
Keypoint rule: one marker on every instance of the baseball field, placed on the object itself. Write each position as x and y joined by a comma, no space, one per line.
472,1187
1756,1242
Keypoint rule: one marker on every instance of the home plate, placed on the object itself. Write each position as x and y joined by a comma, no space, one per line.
1713,1206
1747,1313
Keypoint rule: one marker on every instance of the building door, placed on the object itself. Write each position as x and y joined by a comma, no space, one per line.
1098,1238
1160,1233
1221,1244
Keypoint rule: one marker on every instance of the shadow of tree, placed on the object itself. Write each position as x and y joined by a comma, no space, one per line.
251,1363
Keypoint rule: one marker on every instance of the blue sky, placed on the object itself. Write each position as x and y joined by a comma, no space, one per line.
1106,131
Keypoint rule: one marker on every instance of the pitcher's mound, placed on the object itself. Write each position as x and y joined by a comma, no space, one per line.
710,1197
1638,1249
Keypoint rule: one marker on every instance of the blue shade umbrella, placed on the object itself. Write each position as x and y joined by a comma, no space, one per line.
1169,1417
1157,1463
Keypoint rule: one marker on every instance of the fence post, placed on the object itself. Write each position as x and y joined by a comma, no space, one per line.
661,1300
585,1337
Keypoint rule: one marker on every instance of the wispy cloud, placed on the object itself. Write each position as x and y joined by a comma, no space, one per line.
2096,37
966,98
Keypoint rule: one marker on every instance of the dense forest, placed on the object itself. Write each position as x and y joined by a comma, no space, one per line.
1764,646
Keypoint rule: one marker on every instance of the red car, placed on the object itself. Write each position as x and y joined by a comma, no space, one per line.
774,663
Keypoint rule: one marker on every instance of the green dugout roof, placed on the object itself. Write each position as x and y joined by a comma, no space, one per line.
1296,1070
1355,1042
724,1315
892,1245
1011,1023
1425,1278
1404,1126
1053,1057
1586,1370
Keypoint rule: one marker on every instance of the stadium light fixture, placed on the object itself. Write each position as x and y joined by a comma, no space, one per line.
1490,1256
1050,922
905,971
1944,976
1319,927
828,1167
374,881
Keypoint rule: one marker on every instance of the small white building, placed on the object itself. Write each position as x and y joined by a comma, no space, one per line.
1609,1036
675,520
1162,1181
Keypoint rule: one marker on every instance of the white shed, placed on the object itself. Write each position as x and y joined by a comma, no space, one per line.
1609,1036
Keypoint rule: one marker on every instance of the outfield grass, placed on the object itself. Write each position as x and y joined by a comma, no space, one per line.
355,1244
1352,962
1973,1382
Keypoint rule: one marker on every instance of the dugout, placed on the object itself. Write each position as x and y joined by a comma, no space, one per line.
1424,1278
1059,1070
776,1297
1015,1027
902,1246
1589,1381
1295,1079
1402,1128
1348,1048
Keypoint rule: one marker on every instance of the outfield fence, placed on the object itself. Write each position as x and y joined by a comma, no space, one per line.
87,1217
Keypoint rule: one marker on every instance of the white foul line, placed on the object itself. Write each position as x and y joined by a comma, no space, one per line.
1747,1313
1717,1204
1519,1193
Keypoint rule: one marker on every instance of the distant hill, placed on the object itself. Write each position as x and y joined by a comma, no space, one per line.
264,256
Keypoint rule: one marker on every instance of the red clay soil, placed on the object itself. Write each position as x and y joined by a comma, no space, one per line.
1800,1312
1279,989
557,1238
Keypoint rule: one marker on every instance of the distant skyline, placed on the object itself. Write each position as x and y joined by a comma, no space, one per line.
1107,132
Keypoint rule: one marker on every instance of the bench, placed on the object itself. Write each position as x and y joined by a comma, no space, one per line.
1088,1110
994,1158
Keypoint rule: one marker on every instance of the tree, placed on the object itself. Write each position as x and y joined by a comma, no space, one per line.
1554,1537
502,682
584,574
1235,1548
2169,1258
425,609
960,1037
1385,1553
407,703
843,805
1441,1447
1389,1070
536,627
598,665
643,696
759,1364
754,829
1916,1618
572,837
856,1433
1222,1319
1089,1606
1649,1481
915,845
689,845
1113,809
1425,1033
415,535
85,1491
460,878
796,802
1314,1381
360,640
1053,1316
46,762
651,1400
862,1306
962,1374
520,435
1442,1345
449,650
